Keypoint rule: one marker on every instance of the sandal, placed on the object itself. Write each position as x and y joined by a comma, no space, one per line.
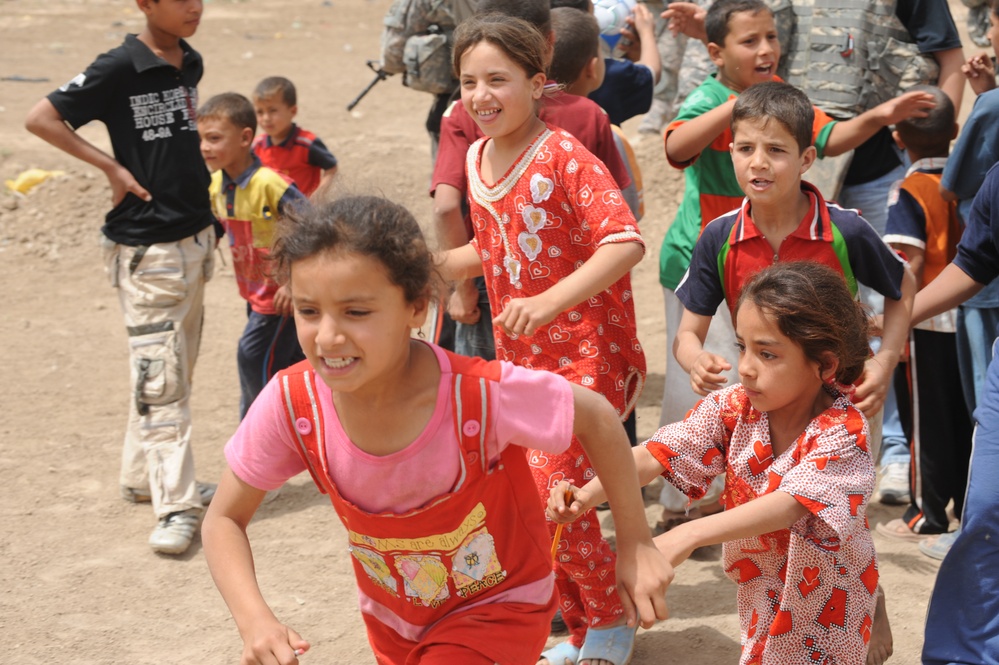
560,653
615,645
899,530
936,547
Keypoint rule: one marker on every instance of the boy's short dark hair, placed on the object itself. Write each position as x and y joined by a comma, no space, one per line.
581,5
720,13
230,106
780,102
536,12
276,86
929,136
577,42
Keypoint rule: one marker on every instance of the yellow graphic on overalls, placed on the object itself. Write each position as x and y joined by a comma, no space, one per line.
378,571
441,542
475,566
425,579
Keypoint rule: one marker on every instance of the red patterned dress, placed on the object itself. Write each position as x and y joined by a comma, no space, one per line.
807,593
536,225
540,222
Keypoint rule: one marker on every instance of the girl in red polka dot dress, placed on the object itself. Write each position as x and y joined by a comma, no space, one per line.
797,467
555,241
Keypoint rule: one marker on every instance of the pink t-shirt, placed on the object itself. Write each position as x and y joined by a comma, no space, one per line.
531,409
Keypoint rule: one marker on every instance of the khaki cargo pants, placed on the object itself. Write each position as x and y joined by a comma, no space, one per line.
161,289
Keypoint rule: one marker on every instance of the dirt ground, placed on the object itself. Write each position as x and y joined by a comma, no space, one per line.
78,584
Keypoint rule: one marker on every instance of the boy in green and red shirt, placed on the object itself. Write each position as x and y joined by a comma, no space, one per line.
743,45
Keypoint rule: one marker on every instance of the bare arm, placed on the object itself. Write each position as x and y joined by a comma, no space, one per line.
848,134
460,263
917,260
46,122
592,494
688,349
611,262
871,391
642,573
230,561
645,30
770,512
326,177
449,225
951,79
691,138
950,288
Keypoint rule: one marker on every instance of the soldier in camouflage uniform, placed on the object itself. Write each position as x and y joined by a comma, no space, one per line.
685,65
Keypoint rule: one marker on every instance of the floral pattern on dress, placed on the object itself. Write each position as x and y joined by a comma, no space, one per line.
539,223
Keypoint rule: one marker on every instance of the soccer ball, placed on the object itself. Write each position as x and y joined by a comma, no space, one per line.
611,15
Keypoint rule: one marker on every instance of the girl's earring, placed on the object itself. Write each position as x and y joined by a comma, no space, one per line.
420,334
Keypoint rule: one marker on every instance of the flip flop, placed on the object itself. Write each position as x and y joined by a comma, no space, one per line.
936,547
615,644
561,652
899,530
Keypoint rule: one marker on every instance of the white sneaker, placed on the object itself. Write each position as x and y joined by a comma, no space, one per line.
174,533
894,484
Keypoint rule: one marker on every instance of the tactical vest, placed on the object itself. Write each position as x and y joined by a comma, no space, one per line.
848,56
417,40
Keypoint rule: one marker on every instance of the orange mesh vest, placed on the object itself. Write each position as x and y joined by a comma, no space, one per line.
473,545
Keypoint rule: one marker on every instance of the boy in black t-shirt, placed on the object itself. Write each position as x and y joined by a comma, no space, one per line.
158,242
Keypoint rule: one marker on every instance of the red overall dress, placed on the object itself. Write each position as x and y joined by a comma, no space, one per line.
447,580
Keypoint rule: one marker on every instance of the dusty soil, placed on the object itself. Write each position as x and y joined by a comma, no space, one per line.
79,584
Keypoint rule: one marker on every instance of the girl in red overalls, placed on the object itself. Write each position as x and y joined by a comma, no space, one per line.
413,446
555,240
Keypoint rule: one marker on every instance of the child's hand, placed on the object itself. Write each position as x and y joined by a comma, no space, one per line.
282,301
122,182
980,72
910,105
870,393
463,305
642,579
558,511
674,545
272,642
686,18
523,316
704,373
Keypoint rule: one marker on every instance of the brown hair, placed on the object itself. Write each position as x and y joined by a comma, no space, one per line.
720,13
276,86
367,225
230,106
812,306
577,42
519,40
780,102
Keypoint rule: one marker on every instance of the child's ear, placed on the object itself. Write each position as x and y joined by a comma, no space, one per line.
538,84
808,157
246,136
590,71
901,144
828,367
421,309
143,5
294,110
715,53
957,130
